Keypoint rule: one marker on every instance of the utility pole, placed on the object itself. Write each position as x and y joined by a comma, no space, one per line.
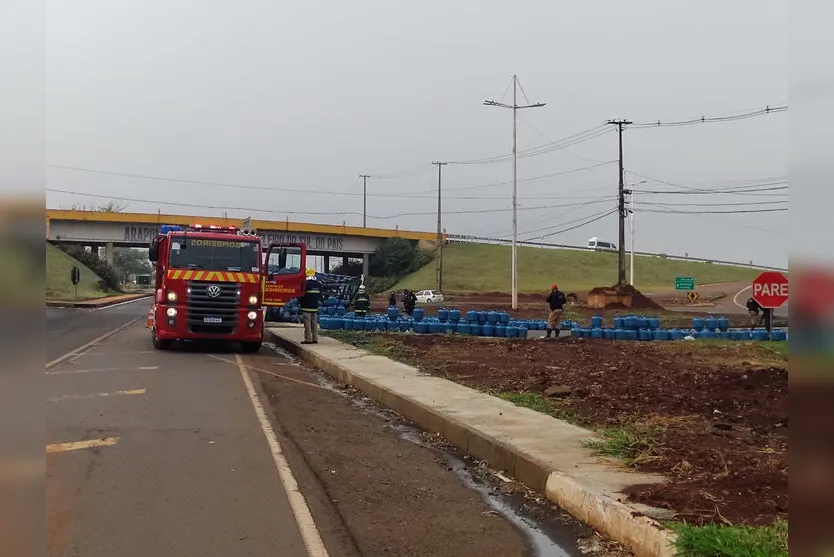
364,199
621,274
440,166
515,107
633,194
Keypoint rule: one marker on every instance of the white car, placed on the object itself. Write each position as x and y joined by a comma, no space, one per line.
429,297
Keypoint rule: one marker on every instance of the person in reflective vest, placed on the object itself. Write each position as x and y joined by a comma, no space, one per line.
362,303
310,308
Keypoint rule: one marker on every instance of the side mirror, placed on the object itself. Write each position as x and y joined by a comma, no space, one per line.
153,251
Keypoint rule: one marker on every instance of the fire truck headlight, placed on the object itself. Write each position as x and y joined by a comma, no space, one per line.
171,312
172,296
252,315
253,300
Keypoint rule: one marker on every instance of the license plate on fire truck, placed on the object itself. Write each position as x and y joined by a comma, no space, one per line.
213,320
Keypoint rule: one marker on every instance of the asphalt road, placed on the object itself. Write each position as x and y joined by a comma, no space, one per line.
202,452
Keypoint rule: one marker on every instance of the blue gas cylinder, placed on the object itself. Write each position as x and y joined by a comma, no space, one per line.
472,316
654,323
761,334
723,323
511,331
576,332
492,317
698,323
488,329
482,317
443,315
500,330
504,317
418,314
596,332
631,334
778,334
644,334
609,334
711,323
596,322
620,334
619,322
475,329
463,327
660,334
393,313
454,315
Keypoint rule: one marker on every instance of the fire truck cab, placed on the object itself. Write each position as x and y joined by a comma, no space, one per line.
208,286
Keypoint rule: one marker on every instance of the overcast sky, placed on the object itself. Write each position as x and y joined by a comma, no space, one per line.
296,96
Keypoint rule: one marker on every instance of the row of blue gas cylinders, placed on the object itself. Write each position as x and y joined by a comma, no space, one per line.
454,316
711,324
428,325
678,334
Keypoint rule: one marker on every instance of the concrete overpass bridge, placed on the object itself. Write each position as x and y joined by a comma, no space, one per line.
100,229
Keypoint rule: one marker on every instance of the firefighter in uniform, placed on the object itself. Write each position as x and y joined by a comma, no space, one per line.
310,308
362,303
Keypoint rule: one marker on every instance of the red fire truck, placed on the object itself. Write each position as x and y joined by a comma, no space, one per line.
212,283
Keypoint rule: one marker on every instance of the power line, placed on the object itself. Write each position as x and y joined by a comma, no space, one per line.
744,203
711,119
580,225
671,211
283,212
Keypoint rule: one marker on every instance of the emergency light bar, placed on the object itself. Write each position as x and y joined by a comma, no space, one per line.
214,228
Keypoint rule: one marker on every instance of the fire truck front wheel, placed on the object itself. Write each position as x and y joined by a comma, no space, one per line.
250,347
161,344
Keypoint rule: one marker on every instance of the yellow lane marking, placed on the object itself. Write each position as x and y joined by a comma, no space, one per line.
267,372
94,395
78,445
306,525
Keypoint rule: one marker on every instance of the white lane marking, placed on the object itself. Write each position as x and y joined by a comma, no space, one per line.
77,445
81,349
100,370
123,303
306,525
96,395
735,298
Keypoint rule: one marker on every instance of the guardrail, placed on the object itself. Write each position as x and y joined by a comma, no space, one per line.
466,239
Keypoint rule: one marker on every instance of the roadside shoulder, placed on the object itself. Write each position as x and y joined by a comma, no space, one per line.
546,454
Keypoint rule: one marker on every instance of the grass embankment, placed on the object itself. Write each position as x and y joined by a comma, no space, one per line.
58,284
486,268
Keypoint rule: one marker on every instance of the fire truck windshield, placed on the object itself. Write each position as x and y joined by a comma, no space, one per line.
215,255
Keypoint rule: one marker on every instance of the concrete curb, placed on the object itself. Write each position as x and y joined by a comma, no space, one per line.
642,535
95,304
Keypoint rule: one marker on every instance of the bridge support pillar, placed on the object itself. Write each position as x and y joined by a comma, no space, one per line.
365,263
109,252
326,263
344,264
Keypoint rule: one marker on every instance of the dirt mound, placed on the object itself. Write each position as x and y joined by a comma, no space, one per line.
638,299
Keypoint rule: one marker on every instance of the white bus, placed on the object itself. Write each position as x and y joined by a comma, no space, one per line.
601,245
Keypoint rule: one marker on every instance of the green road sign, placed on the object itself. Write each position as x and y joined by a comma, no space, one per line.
684,283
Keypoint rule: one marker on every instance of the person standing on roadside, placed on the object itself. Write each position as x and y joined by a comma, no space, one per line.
362,303
556,300
753,309
392,299
409,301
310,307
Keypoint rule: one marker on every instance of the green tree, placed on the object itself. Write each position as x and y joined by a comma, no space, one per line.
128,261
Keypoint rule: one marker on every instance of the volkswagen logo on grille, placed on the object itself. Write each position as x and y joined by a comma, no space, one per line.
213,290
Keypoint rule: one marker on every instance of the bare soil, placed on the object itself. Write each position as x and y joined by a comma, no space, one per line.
712,418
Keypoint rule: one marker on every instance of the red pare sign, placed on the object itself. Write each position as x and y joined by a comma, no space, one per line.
770,289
